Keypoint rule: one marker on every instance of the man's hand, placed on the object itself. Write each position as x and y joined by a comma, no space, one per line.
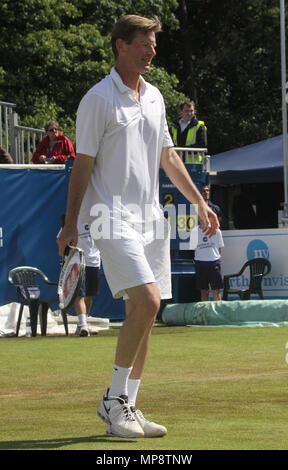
67,236
178,174
209,220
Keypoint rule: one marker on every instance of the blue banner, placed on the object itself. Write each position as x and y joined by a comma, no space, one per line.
30,217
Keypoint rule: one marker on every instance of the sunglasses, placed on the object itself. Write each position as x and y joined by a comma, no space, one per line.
52,130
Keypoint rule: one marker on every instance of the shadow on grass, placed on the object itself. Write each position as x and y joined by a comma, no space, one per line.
58,443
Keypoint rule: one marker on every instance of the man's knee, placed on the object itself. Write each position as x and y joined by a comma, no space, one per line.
149,304
145,299
152,305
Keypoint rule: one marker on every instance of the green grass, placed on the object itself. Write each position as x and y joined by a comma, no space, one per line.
213,388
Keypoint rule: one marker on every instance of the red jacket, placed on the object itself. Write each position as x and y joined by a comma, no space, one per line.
62,149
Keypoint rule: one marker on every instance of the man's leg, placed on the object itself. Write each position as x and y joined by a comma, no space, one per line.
204,295
88,303
82,308
216,282
131,352
150,428
138,366
141,311
216,294
84,301
149,266
139,362
142,308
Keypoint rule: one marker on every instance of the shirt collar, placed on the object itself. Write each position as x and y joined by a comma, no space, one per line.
184,123
124,88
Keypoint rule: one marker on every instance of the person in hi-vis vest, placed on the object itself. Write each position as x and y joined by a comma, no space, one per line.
188,131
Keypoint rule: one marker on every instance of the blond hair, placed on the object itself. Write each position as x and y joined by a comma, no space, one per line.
128,26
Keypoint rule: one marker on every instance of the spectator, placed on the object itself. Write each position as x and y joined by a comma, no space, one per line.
208,264
188,131
54,147
206,196
5,157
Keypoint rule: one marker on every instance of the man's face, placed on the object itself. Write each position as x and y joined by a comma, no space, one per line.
206,193
139,53
187,113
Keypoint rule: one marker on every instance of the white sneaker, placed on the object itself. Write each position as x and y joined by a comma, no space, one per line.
150,429
121,421
82,330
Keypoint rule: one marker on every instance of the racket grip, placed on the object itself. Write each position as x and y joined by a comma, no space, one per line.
66,251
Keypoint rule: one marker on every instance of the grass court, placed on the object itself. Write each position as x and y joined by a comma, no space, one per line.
214,388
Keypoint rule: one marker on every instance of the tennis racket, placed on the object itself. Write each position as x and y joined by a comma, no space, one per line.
71,276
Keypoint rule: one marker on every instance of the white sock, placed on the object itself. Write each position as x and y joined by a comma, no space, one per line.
119,385
82,319
133,387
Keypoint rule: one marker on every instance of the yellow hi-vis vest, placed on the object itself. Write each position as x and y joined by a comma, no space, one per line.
190,157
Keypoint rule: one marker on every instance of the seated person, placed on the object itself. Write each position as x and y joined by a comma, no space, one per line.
54,147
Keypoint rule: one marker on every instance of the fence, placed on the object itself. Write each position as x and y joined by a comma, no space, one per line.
195,155
6,110
19,141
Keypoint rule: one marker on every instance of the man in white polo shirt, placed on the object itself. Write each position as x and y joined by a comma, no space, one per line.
208,264
122,140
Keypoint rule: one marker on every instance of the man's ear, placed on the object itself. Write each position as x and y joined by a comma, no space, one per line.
120,44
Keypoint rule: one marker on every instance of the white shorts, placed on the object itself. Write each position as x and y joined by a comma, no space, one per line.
132,257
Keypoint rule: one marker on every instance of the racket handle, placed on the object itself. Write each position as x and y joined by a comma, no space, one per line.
66,251
62,259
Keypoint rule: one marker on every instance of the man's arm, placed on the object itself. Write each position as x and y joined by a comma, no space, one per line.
176,171
80,176
201,137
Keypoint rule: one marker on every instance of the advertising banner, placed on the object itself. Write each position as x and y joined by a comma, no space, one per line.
243,245
32,203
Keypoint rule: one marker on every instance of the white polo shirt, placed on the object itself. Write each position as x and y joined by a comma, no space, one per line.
126,137
208,248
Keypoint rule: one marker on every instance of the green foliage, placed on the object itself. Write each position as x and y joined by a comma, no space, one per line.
51,54
168,85
2,76
105,13
227,58
224,55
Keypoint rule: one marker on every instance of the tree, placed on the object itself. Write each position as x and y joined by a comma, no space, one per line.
224,55
227,58
51,54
